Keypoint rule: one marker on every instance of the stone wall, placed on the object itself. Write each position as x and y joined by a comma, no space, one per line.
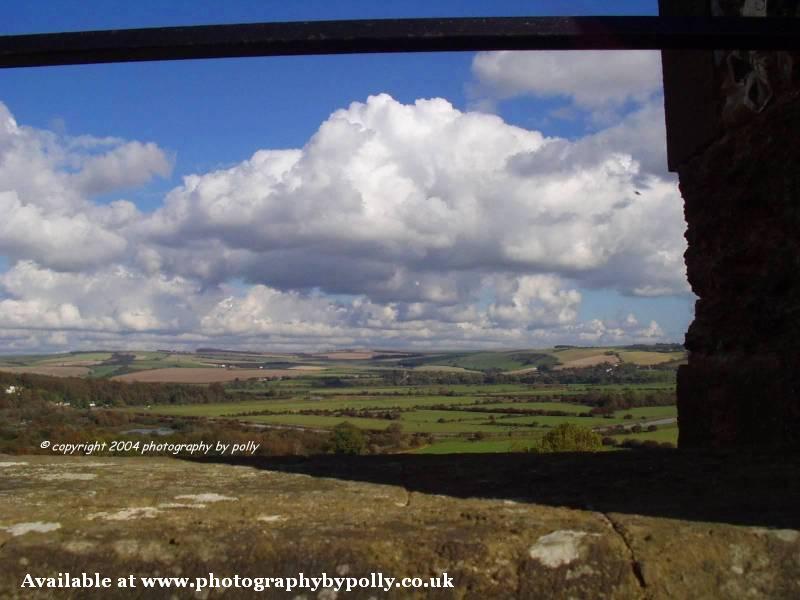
741,187
742,206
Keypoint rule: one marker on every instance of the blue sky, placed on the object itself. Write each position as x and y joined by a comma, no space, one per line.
245,104
201,117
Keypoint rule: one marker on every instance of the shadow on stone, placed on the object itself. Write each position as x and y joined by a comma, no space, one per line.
743,489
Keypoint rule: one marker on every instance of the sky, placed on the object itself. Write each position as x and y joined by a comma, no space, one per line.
415,201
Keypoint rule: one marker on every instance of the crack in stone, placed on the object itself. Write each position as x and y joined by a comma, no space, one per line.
636,566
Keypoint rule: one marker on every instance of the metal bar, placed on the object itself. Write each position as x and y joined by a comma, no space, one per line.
398,35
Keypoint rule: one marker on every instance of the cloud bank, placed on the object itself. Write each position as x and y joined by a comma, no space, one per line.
407,225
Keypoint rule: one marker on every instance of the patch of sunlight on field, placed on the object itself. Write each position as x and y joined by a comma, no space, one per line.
101,371
570,354
444,369
643,358
52,371
82,359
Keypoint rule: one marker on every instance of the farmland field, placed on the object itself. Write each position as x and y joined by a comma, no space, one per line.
482,361
638,357
445,369
365,361
203,374
590,361
345,355
570,354
667,433
52,371
469,418
446,401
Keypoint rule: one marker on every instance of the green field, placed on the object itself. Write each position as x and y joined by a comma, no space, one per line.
329,403
501,361
411,411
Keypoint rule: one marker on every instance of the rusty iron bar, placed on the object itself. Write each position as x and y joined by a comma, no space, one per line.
398,35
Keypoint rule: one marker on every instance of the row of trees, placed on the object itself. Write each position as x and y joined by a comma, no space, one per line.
601,403
346,438
82,392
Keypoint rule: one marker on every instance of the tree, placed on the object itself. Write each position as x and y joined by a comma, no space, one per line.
346,438
568,438
394,434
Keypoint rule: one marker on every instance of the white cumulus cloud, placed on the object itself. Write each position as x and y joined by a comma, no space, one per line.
593,80
125,166
409,202
414,225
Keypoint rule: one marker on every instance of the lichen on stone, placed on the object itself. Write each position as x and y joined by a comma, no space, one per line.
126,514
35,527
558,548
208,497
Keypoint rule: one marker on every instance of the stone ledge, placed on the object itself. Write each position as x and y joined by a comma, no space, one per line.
482,519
